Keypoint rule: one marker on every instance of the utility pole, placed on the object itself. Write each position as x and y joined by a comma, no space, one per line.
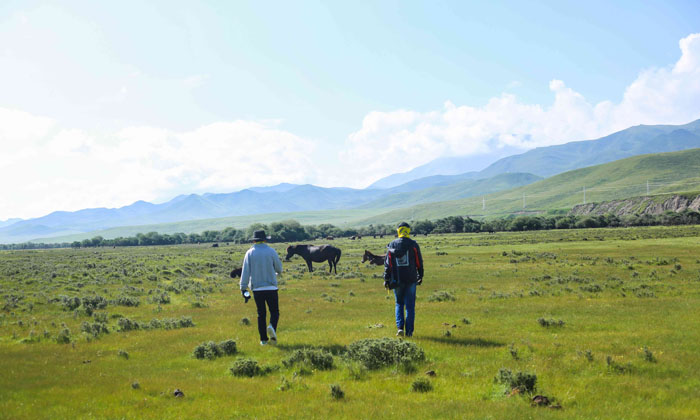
647,187
483,203
584,194
523,200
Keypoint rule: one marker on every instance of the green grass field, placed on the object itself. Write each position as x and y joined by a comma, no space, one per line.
629,346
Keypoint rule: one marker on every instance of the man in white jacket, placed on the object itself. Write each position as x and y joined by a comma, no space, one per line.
261,265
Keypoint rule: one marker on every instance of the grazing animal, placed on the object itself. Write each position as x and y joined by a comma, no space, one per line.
316,254
214,245
329,238
373,259
352,237
236,272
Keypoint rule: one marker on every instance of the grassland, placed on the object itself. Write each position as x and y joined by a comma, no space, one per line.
629,346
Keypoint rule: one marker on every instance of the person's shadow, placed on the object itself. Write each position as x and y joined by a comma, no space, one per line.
475,342
334,349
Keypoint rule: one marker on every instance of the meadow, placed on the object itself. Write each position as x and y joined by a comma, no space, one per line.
603,322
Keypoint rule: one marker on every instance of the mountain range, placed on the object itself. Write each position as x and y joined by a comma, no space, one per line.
504,174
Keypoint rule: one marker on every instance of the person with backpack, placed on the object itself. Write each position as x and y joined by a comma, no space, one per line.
403,271
261,265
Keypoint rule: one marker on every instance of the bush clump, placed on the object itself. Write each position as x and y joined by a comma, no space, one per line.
336,392
382,352
313,358
421,385
441,296
249,368
550,322
521,381
94,329
63,337
211,350
125,300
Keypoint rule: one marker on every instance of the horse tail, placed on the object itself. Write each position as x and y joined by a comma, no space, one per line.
337,257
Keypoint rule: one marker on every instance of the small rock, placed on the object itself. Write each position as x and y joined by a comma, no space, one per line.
430,373
86,361
454,325
178,393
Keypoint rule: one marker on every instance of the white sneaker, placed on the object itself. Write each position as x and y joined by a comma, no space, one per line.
272,335
263,343
399,333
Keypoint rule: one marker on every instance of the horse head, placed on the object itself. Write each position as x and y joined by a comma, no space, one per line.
365,256
290,252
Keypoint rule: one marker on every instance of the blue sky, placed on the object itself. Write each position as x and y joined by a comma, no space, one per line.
171,97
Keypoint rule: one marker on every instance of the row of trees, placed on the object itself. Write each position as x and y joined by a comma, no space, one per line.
293,231
454,224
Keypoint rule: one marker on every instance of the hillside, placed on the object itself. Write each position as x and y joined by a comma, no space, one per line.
463,189
642,139
640,205
665,173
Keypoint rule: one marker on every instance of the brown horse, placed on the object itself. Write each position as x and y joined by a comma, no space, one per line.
316,254
373,259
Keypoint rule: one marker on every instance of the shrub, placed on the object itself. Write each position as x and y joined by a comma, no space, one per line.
94,329
336,392
648,355
550,322
91,303
63,337
314,358
615,367
421,385
228,347
522,381
249,368
125,324
70,303
211,350
124,300
245,321
382,352
441,296
123,353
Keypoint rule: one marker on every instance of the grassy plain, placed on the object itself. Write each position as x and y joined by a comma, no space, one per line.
617,291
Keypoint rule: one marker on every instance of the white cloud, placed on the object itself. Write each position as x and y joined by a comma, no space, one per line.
71,169
389,141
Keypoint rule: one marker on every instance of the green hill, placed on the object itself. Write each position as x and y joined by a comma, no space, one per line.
664,172
462,189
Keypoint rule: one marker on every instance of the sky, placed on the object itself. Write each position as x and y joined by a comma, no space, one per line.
106,103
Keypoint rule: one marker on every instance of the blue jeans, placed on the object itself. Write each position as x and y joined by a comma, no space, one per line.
405,298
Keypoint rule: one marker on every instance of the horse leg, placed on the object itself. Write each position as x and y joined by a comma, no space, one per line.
330,265
308,262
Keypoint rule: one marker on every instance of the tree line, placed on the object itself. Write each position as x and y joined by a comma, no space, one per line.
293,231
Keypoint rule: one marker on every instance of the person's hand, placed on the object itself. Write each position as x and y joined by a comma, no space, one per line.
246,295
419,281
386,284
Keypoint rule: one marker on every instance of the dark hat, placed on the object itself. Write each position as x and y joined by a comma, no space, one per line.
403,224
259,235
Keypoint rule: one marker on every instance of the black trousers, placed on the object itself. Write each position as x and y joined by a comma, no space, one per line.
270,298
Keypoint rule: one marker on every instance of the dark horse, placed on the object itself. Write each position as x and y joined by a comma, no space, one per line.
373,259
316,254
